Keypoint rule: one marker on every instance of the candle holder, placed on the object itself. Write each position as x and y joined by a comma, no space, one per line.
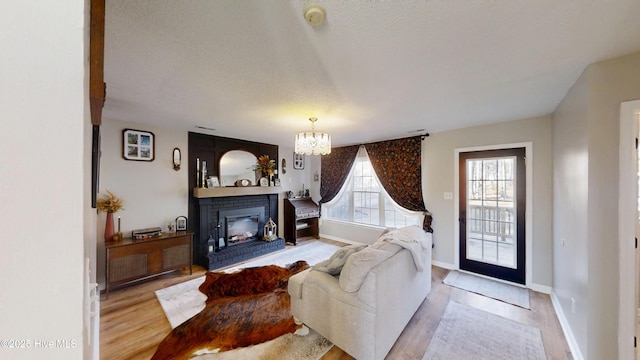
270,232
118,236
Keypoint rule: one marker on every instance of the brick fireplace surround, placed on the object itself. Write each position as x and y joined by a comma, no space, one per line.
211,252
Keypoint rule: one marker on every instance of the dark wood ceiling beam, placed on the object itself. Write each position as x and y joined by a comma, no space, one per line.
97,87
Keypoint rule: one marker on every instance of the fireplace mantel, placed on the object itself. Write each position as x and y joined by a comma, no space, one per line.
201,193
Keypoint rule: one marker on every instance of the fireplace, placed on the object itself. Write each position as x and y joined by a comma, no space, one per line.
240,229
241,225
230,229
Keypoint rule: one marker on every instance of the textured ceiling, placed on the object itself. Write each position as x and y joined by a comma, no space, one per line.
374,70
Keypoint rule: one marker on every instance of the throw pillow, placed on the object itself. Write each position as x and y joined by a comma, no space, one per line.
358,266
333,265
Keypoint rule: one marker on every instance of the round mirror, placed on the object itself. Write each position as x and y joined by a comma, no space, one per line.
237,165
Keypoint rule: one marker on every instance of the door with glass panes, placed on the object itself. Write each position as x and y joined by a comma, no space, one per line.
492,213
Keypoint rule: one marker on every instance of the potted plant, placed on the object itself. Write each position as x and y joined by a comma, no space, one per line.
265,166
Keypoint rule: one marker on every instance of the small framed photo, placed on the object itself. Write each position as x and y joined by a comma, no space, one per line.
298,161
181,223
212,181
276,182
138,145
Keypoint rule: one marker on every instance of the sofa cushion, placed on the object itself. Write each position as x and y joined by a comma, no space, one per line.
335,263
359,264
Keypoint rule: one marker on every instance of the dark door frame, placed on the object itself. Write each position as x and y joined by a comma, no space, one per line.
529,202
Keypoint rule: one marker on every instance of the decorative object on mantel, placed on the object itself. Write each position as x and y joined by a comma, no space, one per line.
313,143
212,181
270,232
181,223
201,173
265,166
243,182
177,159
138,145
264,181
110,204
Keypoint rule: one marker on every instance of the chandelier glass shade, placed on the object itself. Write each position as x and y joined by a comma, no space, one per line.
313,143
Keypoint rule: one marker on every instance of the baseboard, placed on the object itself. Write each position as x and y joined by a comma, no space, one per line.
335,238
541,288
566,329
443,265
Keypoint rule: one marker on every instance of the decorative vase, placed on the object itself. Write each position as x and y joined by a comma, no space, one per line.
108,228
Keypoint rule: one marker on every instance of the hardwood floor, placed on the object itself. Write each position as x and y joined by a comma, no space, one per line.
132,323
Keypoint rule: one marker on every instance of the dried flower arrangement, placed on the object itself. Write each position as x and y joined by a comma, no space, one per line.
110,203
265,166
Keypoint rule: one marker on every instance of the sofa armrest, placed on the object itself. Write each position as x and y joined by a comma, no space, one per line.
294,288
324,286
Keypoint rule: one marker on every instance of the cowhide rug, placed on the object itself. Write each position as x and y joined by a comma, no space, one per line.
243,308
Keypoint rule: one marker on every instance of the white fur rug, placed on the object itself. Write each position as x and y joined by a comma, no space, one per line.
182,301
286,347
494,289
469,333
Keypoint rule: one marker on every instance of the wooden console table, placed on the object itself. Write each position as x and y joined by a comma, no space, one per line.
132,260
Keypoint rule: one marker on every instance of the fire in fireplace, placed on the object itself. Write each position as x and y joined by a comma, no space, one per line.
241,228
241,225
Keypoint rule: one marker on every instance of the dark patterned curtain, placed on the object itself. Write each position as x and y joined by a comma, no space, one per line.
398,165
335,169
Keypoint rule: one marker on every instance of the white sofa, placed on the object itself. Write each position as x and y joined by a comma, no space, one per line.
364,309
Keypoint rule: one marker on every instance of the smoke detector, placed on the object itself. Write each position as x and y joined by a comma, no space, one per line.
314,14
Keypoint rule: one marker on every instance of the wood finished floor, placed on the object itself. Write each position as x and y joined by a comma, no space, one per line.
132,323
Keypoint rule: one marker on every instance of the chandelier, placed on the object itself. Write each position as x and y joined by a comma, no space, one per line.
313,143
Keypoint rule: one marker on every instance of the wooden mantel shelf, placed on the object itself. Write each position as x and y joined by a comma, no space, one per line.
234,191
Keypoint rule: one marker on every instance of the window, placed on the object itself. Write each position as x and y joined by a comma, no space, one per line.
362,200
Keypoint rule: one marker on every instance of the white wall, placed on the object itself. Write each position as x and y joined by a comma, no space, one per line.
154,194
439,164
42,111
438,168
570,210
586,131
611,82
293,180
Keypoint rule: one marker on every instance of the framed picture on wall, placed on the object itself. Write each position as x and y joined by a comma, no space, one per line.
298,161
138,145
